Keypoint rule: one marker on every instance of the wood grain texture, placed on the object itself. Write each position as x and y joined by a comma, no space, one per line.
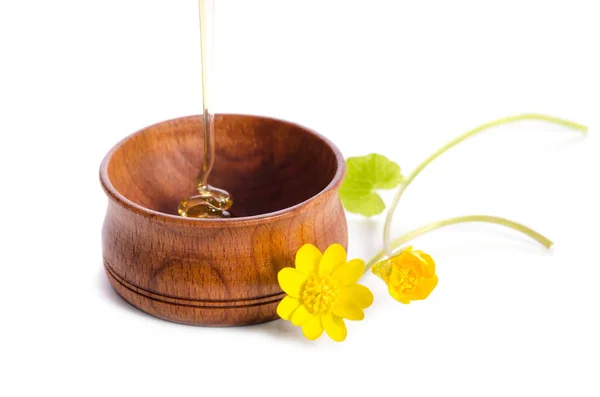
218,272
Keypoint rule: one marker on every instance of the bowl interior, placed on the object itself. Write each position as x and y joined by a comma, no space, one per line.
267,165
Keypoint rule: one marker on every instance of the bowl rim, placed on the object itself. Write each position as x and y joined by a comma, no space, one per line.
123,201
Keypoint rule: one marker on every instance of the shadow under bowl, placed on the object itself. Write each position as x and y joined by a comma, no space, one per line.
284,181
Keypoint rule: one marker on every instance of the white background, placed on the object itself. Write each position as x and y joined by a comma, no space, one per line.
395,77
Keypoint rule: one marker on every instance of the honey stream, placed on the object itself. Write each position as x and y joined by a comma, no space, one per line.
210,202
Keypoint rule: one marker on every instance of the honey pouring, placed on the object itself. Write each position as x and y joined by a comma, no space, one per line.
210,202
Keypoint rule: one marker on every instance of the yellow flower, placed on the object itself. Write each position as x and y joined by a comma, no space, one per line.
322,290
410,275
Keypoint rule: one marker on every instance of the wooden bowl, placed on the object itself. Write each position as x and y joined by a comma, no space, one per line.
218,272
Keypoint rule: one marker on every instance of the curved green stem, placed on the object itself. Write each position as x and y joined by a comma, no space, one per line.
452,221
449,145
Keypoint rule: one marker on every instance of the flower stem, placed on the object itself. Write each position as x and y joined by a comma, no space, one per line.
449,145
452,221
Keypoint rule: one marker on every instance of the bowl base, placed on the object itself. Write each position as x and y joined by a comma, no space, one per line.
194,312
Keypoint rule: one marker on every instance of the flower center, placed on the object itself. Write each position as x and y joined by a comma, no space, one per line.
320,294
408,280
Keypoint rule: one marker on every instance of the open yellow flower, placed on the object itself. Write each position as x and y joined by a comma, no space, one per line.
322,290
410,275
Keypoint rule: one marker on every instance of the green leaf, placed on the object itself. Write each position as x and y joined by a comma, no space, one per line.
368,205
364,175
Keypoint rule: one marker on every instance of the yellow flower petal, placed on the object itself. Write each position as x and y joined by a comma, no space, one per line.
398,296
427,263
349,310
291,281
335,327
396,277
428,285
334,256
358,294
350,272
414,294
301,316
313,328
287,306
307,259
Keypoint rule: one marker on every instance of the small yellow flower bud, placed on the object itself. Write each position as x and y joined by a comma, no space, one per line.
410,275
